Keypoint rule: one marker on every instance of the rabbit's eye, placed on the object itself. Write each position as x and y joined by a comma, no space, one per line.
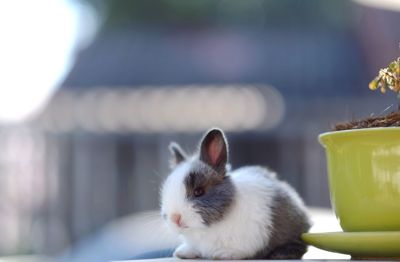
198,192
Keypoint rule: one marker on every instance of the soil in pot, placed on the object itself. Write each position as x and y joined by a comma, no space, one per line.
390,120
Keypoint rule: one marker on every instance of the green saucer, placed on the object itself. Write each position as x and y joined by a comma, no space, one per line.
365,245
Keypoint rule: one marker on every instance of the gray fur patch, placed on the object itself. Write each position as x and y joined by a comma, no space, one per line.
218,192
293,250
289,221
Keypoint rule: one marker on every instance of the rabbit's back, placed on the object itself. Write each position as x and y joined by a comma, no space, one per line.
287,218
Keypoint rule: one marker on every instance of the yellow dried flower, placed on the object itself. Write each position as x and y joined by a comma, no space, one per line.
373,85
388,77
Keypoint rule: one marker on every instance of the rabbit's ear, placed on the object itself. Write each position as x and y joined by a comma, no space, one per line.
214,150
178,155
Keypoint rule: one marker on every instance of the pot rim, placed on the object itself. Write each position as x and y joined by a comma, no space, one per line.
325,135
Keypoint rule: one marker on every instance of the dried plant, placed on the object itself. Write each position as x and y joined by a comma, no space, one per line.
388,77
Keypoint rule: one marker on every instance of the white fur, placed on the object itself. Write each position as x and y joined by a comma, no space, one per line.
243,231
173,200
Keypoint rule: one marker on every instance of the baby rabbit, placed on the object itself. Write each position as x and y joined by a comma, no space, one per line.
221,214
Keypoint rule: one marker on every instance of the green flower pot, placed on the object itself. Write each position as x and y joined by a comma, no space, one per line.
364,177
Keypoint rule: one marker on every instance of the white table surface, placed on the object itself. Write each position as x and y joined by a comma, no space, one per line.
198,260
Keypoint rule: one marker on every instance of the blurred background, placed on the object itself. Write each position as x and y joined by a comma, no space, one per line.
93,91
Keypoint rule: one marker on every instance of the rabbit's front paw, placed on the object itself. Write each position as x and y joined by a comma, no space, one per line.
186,251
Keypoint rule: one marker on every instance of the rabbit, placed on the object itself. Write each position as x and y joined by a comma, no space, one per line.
246,213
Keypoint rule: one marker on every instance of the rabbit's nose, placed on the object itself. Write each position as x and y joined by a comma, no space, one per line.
176,218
